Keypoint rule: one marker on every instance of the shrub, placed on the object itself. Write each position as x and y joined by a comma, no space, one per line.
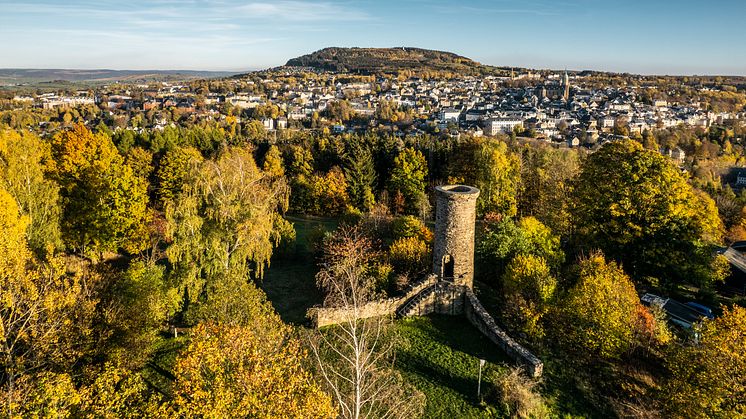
517,396
409,255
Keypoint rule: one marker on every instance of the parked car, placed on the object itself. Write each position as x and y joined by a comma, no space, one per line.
701,309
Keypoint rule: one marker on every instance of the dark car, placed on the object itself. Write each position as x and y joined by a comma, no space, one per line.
699,308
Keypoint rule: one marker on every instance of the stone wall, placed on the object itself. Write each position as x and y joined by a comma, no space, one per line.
325,316
481,319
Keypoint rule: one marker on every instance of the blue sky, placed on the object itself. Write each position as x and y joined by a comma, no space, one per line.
653,36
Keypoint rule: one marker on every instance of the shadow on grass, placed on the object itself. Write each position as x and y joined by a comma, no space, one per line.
440,356
290,282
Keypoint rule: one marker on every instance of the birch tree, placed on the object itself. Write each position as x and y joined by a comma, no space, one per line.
356,356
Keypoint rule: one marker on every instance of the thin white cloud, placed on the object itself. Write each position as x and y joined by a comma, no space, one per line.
305,11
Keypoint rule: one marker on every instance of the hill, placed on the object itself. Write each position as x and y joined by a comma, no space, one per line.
389,60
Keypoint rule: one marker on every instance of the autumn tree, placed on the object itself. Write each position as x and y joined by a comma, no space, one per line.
408,177
24,160
529,288
637,207
226,222
273,163
355,356
546,184
504,239
104,203
491,167
173,170
599,313
232,371
328,192
139,302
45,314
707,376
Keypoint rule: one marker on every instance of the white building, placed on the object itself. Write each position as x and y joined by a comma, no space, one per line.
449,115
495,126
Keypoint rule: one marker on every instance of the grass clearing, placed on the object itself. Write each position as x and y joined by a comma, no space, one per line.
440,356
290,282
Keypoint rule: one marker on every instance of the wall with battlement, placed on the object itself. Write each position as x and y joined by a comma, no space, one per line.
482,320
325,316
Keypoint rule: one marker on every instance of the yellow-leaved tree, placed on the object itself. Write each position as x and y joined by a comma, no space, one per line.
46,315
708,376
637,207
24,159
237,371
600,313
104,203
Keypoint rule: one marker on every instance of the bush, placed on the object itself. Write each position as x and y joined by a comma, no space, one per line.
409,255
410,226
517,396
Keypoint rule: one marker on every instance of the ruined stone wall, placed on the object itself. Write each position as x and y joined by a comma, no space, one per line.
455,216
325,316
481,319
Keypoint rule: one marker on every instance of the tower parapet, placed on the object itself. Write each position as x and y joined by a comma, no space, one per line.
453,249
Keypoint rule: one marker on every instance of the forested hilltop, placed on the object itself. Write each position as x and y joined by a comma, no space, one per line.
390,60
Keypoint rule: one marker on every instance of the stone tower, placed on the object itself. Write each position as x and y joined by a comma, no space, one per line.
453,250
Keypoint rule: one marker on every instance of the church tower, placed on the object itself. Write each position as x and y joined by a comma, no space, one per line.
565,86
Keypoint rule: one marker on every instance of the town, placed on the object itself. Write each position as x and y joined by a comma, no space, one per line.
555,107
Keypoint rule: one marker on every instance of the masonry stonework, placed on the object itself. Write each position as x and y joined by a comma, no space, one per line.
453,248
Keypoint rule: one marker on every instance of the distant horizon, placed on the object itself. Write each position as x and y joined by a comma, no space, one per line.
636,36
249,70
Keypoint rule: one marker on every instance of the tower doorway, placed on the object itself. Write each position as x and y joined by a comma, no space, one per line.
448,268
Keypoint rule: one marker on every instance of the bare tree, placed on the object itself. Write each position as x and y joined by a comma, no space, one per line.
356,356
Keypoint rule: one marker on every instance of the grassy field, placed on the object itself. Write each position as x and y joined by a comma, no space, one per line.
440,356
290,280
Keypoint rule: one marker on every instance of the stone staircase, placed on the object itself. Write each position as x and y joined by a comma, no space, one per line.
412,306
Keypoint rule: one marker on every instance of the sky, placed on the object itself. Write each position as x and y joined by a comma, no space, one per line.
647,37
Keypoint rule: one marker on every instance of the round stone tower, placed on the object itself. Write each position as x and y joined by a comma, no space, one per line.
453,250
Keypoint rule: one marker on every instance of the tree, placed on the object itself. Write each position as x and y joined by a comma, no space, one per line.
273,164
408,177
410,255
355,356
528,287
226,222
24,159
600,311
144,299
707,378
328,192
173,171
546,177
360,172
503,240
45,314
231,371
104,203
488,165
636,206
